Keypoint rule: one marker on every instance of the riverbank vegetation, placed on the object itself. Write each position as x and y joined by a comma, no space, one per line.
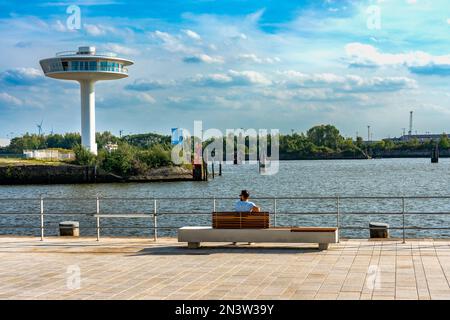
136,154
133,155
127,160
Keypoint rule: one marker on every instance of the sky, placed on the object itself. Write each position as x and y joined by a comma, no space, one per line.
262,64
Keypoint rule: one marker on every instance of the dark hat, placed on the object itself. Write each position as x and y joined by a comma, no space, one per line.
245,194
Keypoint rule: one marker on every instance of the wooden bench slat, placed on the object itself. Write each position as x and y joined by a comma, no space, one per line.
240,220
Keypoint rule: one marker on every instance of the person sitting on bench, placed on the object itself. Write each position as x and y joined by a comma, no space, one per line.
243,205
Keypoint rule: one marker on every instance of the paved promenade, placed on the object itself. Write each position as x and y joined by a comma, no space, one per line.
141,269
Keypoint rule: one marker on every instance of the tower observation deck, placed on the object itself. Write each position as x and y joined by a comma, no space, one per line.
87,67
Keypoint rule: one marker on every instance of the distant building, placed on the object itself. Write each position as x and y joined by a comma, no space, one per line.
49,154
419,137
4,142
110,147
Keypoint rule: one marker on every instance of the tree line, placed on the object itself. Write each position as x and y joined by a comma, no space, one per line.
137,153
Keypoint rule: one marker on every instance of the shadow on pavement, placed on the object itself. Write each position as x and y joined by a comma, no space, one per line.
209,250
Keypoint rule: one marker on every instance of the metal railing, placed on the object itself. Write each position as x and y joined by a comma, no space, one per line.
153,214
76,53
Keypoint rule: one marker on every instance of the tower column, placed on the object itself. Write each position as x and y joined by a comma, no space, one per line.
88,115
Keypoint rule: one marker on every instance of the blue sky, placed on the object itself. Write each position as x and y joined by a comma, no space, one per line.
251,64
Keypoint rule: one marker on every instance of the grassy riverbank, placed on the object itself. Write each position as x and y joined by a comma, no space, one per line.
29,162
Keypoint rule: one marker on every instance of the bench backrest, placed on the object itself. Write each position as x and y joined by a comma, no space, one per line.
240,220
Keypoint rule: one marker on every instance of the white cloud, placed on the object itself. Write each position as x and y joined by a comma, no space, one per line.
231,78
175,99
6,98
434,109
249,77
171,43
201,102
256,16
59,26
254,58
21,76
348,83
148,85
97,30
117,48
214,79
103,29
145,97
363,55
192,34
94,30
294,80
311,94
198,58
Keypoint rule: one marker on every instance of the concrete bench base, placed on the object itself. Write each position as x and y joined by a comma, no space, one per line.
194,236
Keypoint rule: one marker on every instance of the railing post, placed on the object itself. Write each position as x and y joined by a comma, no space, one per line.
214,204
42,218
403,217
338,222
98,218
155,222
275,212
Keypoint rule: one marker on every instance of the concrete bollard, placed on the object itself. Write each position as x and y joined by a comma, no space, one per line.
69,228
379,230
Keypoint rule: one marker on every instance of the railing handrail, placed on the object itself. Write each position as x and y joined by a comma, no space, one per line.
229,198
337,210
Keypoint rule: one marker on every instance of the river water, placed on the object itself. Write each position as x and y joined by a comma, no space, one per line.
380,177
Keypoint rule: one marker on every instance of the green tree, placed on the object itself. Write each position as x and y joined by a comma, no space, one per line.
104,138
71,140
155,157
120,161
325,135
379,145
412,144
27,141
359,142
347,144
444,142
147,140
389,144
55,141
83,156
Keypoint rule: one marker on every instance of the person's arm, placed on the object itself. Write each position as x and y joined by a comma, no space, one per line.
256,209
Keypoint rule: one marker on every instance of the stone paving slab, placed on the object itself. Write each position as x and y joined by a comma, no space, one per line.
136,268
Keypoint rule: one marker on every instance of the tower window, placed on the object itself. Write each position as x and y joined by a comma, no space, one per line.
75,65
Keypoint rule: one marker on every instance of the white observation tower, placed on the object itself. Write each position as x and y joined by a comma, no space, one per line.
87,67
